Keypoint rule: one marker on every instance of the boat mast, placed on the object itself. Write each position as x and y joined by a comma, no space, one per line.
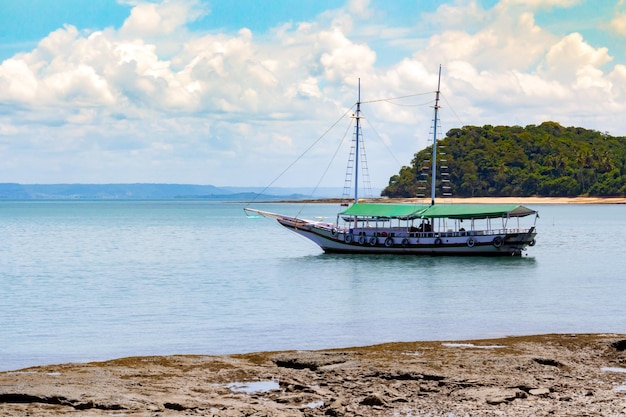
434,156
357,132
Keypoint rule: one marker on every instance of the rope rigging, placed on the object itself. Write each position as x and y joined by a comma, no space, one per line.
392,101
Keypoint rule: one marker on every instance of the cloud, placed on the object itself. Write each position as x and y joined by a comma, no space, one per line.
617,77
506,38
573,52
155,101
161,19
510,63
344,59
618,24
540,3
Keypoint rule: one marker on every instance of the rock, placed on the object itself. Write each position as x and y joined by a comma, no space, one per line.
539,392
620,345
496,400
357,382
492,395
174,406
335,411
548,362
308,360
290,399
375,399
337,402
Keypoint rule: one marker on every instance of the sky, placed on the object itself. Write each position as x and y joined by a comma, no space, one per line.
246,93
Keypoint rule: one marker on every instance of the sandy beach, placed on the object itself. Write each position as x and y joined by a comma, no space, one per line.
482,200
538,200
533,200
544,375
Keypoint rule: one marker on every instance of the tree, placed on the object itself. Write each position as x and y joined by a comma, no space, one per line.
544,160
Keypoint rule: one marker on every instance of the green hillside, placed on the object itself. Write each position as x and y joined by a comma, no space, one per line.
544,160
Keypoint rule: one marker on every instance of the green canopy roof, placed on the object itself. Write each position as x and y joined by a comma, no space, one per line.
402,211
451,211
475,211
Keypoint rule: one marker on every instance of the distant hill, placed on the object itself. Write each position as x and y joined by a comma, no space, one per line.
547,160
13,191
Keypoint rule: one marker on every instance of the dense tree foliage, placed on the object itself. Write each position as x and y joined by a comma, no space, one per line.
544,160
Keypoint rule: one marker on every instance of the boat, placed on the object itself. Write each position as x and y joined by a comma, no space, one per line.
419,229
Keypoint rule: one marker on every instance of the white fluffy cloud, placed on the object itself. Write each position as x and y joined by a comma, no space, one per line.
154,101
572,56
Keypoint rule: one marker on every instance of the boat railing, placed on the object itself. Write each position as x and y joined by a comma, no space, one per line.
491,232
402,232
486,232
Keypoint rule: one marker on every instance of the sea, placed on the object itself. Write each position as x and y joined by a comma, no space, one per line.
96,280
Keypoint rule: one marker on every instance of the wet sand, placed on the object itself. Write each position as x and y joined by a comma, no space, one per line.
544,375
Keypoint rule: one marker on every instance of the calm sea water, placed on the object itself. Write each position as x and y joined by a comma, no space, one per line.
83,281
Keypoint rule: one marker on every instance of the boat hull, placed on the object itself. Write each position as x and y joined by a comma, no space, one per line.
331,240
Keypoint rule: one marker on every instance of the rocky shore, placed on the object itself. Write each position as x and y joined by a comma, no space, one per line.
547,375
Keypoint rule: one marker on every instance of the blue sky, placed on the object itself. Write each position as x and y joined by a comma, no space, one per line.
24,23
232,92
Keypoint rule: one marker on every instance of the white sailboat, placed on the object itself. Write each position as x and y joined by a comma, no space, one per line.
419,229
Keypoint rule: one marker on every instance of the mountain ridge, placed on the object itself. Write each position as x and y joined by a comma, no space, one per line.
139,191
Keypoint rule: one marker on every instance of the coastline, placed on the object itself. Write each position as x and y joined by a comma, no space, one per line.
536,200
473,200
554,374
